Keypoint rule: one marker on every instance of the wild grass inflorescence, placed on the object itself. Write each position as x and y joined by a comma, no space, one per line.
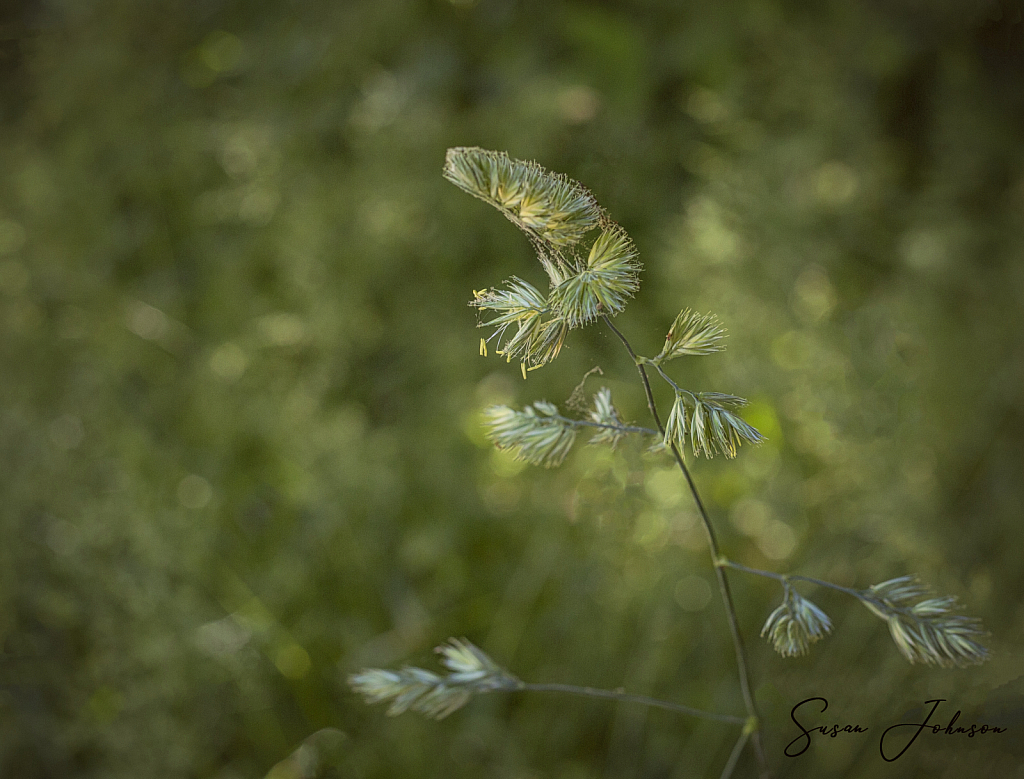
591,280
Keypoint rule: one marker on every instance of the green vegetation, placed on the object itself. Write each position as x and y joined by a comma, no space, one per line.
925,629
240,392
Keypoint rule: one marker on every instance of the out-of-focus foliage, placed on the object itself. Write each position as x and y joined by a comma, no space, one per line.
240,447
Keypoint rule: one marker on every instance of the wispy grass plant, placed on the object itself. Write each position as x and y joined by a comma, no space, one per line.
593,270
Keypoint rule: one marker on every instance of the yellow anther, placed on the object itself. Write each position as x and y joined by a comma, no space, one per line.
483,348
523,366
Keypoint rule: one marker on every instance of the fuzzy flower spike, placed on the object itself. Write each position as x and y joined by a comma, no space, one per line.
556,214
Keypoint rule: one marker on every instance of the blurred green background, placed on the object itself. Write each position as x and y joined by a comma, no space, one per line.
239,383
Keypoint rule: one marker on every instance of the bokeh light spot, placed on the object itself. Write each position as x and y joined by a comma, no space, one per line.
692,593
707,106
228,361
221,51
146,321
578,104
813,295
750,516
504,464
792,350
651,531
776,540
194,492
836,183
923,250
282,329
711,235
293,662
222,637
665,487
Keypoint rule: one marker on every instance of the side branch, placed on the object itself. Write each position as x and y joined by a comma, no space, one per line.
643,700
472,672
726,563
925,628
602,426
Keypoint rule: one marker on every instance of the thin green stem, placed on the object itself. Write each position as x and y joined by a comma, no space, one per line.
790,577
668,378
620,428
734,757
723,583
623,697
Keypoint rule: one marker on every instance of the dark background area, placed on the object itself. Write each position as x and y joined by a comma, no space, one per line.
240,444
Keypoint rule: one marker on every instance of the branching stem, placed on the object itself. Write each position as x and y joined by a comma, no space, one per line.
726,563
861,595
723,583
623,697
667,378
603,426
734,757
